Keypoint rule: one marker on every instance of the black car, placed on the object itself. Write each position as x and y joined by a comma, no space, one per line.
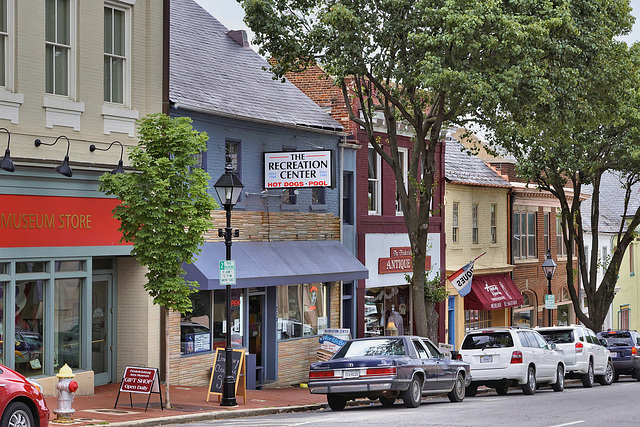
387,368
623,346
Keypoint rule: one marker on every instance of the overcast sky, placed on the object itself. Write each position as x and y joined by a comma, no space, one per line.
231,14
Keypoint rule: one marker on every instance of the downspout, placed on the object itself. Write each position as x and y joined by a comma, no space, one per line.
341,204
166,25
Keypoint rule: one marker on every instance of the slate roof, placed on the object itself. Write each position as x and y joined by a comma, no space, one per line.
211,72
611,203
464,168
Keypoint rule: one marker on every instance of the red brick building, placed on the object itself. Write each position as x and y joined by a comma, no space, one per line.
379,228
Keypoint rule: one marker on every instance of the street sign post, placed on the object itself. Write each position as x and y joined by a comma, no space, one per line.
227,272
549,302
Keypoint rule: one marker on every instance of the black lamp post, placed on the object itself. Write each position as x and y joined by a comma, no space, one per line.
549,268
228,188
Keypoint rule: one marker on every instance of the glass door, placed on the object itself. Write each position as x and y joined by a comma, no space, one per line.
101,329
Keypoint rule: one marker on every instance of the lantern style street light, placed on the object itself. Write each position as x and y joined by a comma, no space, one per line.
229,189
549,268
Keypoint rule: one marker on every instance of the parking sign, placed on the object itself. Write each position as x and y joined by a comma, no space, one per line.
228,272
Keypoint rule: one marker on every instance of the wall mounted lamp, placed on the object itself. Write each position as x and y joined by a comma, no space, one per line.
120,167
6,162
64,168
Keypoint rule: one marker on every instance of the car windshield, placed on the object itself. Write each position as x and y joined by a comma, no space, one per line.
376,347
617,340
487,340
558,337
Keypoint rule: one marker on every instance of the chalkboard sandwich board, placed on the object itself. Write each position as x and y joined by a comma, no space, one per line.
218,373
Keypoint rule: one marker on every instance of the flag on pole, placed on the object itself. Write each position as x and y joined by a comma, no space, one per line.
461,279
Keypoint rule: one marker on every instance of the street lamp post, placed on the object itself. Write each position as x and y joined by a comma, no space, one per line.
549,268
228,188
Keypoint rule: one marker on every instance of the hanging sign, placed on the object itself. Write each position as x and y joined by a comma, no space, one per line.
401,260
298,169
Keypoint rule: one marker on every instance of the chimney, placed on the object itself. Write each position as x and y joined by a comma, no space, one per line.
240,36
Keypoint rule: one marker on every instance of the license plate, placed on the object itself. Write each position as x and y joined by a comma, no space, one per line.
614,354
351,374
486,359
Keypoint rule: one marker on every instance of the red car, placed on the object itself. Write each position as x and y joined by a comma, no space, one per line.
21,401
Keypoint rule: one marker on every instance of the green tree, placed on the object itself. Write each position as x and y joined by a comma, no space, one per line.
586,127
426,63
165,208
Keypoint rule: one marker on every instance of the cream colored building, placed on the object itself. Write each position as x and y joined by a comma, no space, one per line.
477,206
73,73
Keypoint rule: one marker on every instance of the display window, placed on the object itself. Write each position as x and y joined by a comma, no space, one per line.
386,311
29,344
525,315
302,310
66,323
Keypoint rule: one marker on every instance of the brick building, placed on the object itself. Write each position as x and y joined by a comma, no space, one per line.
381,232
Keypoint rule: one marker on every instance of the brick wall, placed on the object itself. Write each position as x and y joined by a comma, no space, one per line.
295,355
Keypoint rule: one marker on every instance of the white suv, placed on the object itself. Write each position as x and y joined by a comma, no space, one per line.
583,354
509,356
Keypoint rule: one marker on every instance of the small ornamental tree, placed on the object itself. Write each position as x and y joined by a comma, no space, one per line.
165,208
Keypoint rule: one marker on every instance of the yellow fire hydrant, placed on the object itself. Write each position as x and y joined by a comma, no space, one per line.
66,390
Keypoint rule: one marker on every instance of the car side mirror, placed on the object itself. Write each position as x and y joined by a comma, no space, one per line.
603,342
553,346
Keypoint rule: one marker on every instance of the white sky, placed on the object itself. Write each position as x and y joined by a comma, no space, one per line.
230,13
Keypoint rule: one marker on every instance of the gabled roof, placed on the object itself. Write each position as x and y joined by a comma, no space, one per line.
464,168
212,73
611,203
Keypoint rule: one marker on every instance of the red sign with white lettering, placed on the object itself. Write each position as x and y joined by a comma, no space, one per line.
400,261
139,380
42,221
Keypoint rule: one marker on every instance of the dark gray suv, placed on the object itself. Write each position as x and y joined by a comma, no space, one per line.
623,346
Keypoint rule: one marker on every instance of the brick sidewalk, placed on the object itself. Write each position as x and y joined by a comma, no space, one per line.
186,402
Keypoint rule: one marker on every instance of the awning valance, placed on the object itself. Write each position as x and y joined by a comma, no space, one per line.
492,292
277,263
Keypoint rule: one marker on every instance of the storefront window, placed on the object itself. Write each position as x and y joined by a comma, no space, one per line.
31,267
70,266
29,327
3,286
195,327
219,318
524,316
302,310
476,319
386,305
67,323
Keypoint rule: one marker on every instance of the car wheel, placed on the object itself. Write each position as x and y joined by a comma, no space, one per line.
17,414
636,374
471,391
413,395
336,402
387,402
559,384
609,374
502,390
588,378
530,386
457,394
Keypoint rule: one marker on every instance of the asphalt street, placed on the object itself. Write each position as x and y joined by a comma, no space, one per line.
575,406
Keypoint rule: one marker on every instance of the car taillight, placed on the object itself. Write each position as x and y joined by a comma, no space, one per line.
458,356
634,351
579,347
380,372
516,357
321,374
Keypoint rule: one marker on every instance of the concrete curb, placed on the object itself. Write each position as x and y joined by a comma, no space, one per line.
218,415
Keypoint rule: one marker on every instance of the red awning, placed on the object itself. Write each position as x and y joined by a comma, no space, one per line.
492,292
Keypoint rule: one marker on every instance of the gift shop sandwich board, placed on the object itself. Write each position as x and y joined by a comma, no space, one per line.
137,379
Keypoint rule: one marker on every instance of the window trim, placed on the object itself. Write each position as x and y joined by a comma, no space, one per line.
73,49
521,250
455,222
561,249
9,48
493,223
127,76
377,182
475,232
403,155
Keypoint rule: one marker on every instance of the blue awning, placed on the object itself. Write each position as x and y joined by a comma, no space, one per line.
277,263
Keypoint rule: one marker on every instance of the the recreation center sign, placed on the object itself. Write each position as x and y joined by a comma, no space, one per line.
298,169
